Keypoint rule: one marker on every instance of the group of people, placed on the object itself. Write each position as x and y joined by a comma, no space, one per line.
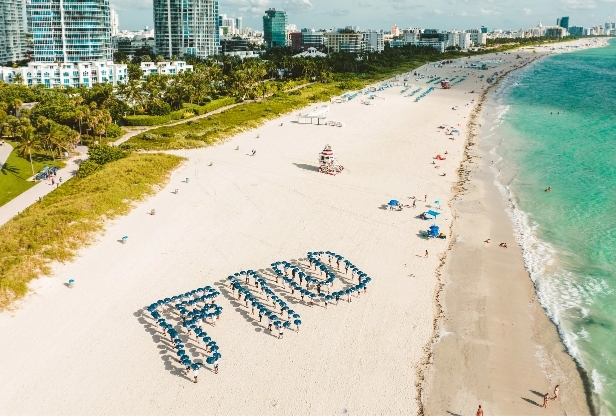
199,306
192,308
316,260
250,300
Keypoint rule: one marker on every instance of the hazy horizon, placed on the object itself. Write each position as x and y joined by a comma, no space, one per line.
439,14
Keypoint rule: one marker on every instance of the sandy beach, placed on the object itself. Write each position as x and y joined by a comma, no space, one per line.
94,348
496,346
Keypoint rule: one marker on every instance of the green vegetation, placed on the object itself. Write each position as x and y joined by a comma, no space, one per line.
17,169
67,219
100,155
187,111
203,132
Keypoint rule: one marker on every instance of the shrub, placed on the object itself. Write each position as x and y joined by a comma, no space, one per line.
159,108
103,154
113,130
87,167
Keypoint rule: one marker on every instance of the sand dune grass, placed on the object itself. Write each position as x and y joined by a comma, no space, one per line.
69,218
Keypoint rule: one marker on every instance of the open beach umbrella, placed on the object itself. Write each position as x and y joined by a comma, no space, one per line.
297,322
393,203
287,324
210,360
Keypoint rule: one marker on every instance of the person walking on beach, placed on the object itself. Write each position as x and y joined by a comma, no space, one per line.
555,393
425,198
426,255
280,331
546,397
195,369
479,411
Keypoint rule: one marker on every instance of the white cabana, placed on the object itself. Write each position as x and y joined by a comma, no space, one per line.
318,116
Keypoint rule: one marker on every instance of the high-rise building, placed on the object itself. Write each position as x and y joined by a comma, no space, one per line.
186,27
576,31
115,23
12,31
274,28
395,30
70,30
563,22
239,24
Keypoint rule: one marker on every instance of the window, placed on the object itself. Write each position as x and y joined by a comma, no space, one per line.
85,74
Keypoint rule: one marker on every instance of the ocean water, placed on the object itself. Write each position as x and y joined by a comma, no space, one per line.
554,125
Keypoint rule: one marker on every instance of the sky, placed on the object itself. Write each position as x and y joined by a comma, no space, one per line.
382,14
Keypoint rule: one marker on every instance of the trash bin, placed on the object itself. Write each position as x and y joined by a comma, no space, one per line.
71,283
153,212
124,239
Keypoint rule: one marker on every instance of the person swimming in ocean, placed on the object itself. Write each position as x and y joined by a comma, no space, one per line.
548,189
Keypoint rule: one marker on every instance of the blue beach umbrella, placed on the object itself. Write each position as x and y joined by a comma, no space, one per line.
287,324
297,322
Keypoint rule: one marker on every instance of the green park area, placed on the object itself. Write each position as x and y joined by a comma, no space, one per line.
17,170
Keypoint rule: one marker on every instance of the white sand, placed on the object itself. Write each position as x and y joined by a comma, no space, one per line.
91,350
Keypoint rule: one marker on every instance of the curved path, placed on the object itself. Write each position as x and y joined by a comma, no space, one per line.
5,151
132,132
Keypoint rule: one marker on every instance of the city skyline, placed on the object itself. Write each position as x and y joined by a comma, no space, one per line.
444,14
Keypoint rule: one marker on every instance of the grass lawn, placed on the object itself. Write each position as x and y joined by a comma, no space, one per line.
16,171
68,218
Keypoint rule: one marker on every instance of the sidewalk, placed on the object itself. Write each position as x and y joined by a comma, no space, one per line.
5,151
33,194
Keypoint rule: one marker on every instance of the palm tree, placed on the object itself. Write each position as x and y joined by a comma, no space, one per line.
15,104
18,79
29,142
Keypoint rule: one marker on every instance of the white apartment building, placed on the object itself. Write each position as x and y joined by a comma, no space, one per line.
464,40
168,68
53,75
412,34
114,19
12,30
344,42
374,41
478,38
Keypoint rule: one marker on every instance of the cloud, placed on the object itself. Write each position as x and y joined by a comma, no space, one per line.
297,5
580,4
527,12
462,14
404,5
339,12
436,11
489,12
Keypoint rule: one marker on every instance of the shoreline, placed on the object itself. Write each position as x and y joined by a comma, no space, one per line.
476,185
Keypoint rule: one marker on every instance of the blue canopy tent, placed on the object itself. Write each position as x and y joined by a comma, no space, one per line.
434,231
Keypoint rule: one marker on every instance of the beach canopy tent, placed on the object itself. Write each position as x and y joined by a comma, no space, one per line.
394,203
434,231
433,213
318,116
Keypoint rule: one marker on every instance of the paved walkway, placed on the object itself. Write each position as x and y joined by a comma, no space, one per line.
24,200
5,151
138,130
33,194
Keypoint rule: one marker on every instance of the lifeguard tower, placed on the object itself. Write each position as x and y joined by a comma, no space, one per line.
328,162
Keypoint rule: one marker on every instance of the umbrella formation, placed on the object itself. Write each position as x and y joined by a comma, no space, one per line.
198,306
264,310
426,92
284,268
192,308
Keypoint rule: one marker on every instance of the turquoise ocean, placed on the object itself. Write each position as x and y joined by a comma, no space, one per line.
554,124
